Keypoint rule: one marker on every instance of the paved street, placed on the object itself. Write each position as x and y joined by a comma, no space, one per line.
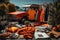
32,39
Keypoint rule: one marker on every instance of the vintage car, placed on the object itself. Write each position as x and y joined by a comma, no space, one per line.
20,16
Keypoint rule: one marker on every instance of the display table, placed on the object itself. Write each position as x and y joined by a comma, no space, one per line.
39,34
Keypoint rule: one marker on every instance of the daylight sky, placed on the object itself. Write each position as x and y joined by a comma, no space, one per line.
22,2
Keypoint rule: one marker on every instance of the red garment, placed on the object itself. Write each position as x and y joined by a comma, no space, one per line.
28,32
31,13
41,15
